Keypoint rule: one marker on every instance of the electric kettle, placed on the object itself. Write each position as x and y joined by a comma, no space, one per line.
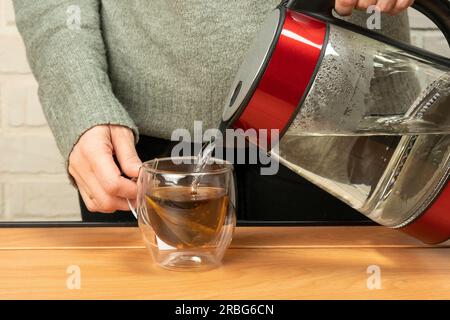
310,76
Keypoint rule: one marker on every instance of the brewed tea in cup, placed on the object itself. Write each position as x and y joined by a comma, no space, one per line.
187,217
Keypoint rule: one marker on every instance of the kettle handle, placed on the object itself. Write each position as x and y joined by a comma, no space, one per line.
437,11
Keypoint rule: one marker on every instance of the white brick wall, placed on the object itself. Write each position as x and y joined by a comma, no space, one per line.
426,35
26,200
12,53
33,184
7,8
21,92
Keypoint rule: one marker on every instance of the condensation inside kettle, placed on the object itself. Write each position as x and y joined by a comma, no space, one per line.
374,129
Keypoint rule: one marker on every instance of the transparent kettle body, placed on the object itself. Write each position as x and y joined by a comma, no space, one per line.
373,130
367,87
390,179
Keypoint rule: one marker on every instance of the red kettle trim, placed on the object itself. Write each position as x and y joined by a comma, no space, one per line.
433,226
286,81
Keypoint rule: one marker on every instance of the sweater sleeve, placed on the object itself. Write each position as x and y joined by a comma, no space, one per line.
70,64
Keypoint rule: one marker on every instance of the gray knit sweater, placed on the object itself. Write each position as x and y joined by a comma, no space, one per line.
150,65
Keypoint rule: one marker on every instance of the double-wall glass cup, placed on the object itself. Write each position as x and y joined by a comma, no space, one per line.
187,218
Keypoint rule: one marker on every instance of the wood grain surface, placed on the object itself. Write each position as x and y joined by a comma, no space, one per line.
263,263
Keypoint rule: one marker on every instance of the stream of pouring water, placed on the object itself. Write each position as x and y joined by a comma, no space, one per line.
202,160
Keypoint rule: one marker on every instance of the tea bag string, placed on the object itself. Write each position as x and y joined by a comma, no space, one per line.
132,208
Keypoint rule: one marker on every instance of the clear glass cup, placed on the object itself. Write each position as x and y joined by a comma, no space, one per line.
187,218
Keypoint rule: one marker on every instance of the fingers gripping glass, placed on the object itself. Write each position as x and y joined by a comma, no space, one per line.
154,164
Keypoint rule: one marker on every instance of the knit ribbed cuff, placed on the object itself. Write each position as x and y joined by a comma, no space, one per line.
74,102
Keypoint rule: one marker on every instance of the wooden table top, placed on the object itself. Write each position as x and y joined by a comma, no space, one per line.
262,263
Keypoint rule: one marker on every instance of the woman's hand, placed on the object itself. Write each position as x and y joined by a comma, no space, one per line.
392,7
97,176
